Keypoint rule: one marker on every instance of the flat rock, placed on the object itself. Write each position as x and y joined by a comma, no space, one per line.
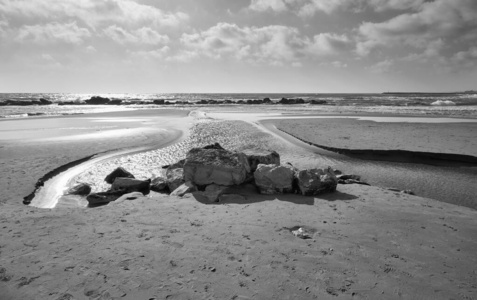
215,166
255,158
185,188
316,181
129,185
103,197
273,179
118,172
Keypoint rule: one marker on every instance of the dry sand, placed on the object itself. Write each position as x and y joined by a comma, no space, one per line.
368,243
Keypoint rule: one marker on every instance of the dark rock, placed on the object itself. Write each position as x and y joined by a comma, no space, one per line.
318,102
129,185
119,172
213,146
208,166
70,103
22,102
115,102
159,184
261,157
351,181
98,100
274,179
241,102
43,101
96,199
80,189
316,181
159,101
267,100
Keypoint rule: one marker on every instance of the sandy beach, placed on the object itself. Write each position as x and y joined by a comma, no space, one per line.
367,243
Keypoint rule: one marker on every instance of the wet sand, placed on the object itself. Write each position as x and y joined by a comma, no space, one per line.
32,147
367,242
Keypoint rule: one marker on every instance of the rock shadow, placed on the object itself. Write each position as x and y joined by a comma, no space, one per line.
249,197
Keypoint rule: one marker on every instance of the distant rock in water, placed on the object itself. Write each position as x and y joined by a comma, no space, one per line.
44,101
115,102
98,100
317,102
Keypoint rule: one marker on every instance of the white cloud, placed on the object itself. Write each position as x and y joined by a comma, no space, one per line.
53,32
263,5
3,27
308,8
157,54
274,45
384,66
91,12
144,35
383,5
328,44
455,20
466,59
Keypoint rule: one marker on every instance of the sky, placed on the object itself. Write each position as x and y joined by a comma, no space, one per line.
238,46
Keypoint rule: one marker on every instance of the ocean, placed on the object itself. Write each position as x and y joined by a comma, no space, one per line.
463,104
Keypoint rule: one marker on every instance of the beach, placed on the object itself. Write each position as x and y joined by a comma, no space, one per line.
368,242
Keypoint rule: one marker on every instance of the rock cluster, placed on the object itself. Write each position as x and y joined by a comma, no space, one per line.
98,100
212,173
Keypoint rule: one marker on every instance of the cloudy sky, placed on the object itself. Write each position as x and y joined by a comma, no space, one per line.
140,46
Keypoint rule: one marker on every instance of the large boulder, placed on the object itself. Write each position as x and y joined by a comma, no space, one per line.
209,166
255,158
129,185
174,178
118,172
274,179
81,189
313,182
